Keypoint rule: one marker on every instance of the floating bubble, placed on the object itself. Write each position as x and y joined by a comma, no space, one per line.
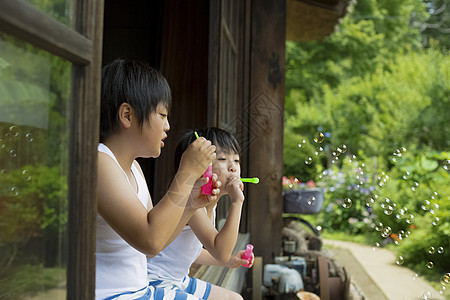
312,201
442,290
434,195
446,164
14,131
406,176
426,205
407,233
415,186
12,153
410,219
401,233
426,295
342,149
26,175
400,260
308,161
319,138
445,279
386,232
431,250
370,202
440,250
415,276
379,226
375,246
347,203
430,265
14,191
302,144
435,221
29,137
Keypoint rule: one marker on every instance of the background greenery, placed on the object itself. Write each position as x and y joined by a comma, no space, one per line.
378,90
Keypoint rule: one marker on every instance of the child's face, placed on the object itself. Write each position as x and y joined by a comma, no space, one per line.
155,131
226,165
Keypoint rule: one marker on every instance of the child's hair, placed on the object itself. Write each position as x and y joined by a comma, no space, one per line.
133,82
218,137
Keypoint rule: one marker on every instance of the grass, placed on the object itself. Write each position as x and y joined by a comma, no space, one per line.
28,280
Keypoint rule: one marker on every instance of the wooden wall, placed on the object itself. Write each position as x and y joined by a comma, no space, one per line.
266,113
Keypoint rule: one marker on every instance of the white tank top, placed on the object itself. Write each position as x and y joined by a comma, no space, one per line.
174,261
119,267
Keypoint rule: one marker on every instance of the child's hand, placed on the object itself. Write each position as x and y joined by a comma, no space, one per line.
197,157
235,188
197,199
236,260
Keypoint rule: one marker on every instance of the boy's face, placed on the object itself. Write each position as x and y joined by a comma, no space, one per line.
155,131
226,165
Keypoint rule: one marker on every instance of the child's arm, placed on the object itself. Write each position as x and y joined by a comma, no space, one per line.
220,244
150,231
205,258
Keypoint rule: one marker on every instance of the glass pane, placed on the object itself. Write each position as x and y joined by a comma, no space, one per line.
34,132
61,10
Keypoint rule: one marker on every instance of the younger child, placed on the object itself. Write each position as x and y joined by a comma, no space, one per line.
170,268
135,100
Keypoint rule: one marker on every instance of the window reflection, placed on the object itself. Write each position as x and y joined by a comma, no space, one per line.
61,10
34,99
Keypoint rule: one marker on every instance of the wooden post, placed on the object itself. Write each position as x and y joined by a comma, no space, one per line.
266,110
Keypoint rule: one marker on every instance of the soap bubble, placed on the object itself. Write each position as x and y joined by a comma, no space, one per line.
446,164
12,153
435,221
379,226
415,186
319,138
430,265
302,144
442,289
347,203
400,260
29,137
308,161
434,195
431,250
415,276
14,191
375,246
426,205
426,295
406,176
386,232
312,201
410,219
14,131
440,250
445,279
342,149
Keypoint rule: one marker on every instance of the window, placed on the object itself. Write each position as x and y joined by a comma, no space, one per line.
49,102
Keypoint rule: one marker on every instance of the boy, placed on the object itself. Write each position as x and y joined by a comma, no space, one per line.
170,268
135,100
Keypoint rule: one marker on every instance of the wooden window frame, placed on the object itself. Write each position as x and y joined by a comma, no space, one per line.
81,46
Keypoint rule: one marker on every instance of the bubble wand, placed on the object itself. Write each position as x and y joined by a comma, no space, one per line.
254,180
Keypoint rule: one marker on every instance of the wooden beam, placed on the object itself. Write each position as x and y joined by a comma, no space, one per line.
84,132
266,113
24,21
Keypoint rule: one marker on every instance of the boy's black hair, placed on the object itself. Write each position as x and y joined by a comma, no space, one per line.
218,137
133,82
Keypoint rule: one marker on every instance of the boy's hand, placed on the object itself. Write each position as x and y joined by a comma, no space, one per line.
197,157
236,260
235,188
197,199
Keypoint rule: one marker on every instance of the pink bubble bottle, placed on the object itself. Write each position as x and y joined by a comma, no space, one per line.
248,255
207,187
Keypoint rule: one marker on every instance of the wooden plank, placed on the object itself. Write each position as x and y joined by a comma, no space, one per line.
84,133
257,278
24,21
323,278
266,112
